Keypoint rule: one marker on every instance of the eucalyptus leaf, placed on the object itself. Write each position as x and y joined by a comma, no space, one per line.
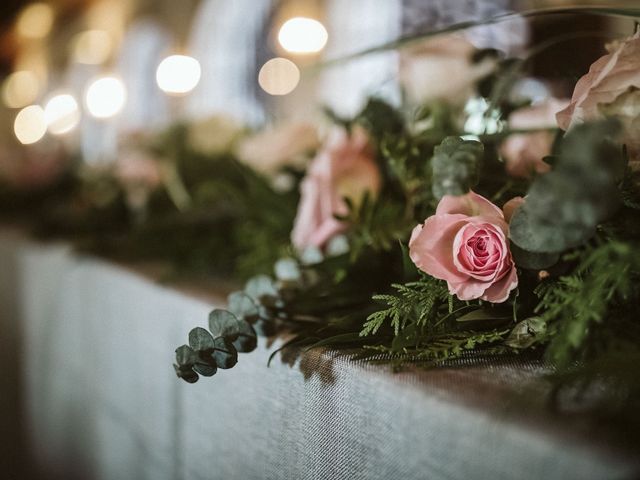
223,323
533,260
200,339
456,166
539,237
185,355
187,374
206,364
224,353
242,306
260,286
564,206
287,270
526,333
247,339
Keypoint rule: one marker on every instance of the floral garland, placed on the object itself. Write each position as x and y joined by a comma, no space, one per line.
411,235
414,240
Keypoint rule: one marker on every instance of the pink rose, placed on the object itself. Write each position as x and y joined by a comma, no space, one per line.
466,243
607,79
345,167
271,149
523,153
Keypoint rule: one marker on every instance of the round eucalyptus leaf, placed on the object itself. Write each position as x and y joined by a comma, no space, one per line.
200,339
287,270
260,286
533,260
526,333
187,374
225,354
531,236
242,306
247,338
223,323
208,369
185,356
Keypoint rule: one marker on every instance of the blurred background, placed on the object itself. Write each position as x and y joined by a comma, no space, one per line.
79,77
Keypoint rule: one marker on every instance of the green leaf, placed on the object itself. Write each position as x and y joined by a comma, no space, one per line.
456,166
185,355
260,286
533,260
526,333
242,306
247,339
188,375
223,323
536,237
482,315
564,207
200,339
224,353
206,364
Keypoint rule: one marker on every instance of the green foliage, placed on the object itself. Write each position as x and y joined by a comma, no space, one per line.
603,282
564,206
217,348
456,166
414,301
380,119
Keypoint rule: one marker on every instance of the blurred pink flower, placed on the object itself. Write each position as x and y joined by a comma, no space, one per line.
523,153
134,167
440,69
345,167
607,79
466,244
284,145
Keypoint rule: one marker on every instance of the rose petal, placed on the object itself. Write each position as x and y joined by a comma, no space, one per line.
470,204
430,248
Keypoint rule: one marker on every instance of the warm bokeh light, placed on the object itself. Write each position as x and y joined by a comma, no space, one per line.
61,114
279,76
30,125
105,97
20,88
178,74
92,47
303,35
109,16
35,21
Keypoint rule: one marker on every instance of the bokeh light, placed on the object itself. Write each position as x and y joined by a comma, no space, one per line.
105,97
279,76
20,89
92,47
30,125
61,114
35,21
303,35
178,74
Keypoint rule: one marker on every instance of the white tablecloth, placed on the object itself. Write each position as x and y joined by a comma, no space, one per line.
102,400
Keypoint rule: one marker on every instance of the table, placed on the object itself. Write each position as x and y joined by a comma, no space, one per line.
94,346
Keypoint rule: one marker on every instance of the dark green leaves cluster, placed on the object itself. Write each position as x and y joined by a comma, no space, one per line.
218,347
564,207
598,293
456,166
